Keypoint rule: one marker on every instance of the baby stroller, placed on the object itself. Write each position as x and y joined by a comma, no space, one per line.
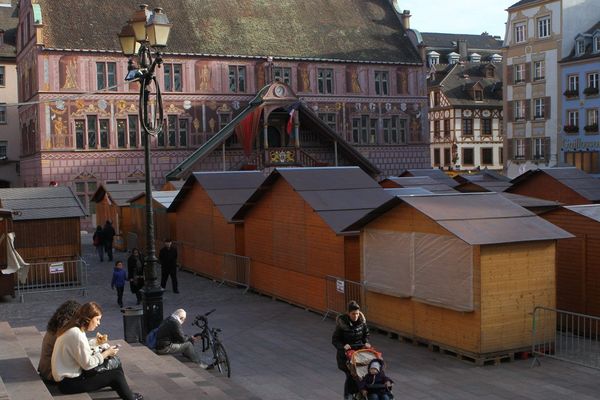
358,364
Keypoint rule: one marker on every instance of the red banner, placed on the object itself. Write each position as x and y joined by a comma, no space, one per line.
247,129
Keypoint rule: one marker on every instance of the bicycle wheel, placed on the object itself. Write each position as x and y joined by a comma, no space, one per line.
221,360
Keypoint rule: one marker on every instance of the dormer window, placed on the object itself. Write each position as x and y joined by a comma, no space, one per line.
453,58
597,43
580,49
478,95
433,58
490,71
475,58
496,58
519,31
1,37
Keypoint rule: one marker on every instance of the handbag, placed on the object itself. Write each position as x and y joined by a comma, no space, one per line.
109,363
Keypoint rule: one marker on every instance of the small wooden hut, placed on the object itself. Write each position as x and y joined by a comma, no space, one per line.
7,282
111,204
434,173
567,185
206,228
293,230
482,182
458,271
135,219
424,182
578,259
173,185
46,222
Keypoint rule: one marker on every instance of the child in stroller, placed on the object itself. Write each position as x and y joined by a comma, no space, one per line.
367,369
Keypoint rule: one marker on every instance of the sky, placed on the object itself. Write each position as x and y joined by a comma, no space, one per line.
458,16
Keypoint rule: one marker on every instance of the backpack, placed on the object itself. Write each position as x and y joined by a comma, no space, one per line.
151,339
96,240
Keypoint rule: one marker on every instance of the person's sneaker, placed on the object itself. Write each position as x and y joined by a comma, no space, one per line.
138,396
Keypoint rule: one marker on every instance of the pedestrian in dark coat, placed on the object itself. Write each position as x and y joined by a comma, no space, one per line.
375,385
170,338
118,281
98,241
351,332
135,271
108,233
168,265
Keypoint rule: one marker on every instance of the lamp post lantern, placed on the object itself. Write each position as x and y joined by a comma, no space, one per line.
145,33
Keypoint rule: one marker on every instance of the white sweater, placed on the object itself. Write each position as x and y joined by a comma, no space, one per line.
72,354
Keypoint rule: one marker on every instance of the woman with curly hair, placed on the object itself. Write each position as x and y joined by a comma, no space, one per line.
61,316
73,359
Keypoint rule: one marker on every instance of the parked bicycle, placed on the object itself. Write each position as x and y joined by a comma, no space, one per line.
210,340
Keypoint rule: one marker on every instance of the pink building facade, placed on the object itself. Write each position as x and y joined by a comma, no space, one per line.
79,122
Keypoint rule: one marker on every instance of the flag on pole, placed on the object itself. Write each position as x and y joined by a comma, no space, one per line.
292,110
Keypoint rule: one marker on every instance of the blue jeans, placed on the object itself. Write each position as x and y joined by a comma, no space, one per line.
375,396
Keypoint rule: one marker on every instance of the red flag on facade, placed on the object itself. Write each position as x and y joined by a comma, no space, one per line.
292,111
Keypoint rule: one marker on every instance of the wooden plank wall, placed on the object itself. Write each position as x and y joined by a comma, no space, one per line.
414,319
203,235
578,263
291,247
134,219
515,278
542,186
48,239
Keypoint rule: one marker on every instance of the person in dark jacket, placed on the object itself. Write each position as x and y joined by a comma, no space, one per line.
118,281
168,265
351,332
375,385
135,270
98,241
170,338
108,233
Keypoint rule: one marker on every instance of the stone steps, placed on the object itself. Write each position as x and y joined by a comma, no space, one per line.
156,377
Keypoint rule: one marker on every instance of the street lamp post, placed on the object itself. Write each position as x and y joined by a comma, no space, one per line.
142,38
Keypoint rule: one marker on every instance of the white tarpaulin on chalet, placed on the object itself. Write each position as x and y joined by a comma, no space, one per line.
14,261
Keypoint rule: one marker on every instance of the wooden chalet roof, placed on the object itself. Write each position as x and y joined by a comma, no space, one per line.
41,203
477,218
529,202
592,211
575,179
484,181
9,19
184,168
119,193
341,30
458,79
163,197
340,195
229,190
434,173
424,182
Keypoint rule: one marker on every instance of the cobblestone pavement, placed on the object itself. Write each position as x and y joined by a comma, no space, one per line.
279,351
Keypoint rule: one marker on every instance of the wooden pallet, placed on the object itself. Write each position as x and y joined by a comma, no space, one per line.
495,358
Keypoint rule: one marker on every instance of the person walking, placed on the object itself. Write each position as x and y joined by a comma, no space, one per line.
135,271
168,265
108,234
351,332
98,241
119,278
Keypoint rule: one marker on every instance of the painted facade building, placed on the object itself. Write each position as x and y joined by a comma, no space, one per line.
365,80
9,117
580,74
538,34
465,116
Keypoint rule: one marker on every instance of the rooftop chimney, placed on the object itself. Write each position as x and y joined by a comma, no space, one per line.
462,49
405,19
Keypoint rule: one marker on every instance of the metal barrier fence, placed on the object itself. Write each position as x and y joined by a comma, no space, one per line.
54,276
236,270
339,292
566,336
